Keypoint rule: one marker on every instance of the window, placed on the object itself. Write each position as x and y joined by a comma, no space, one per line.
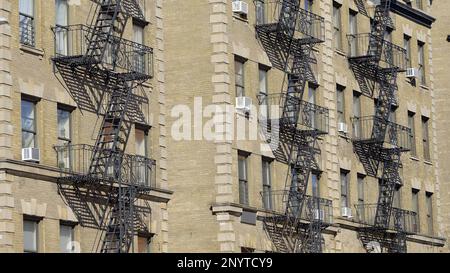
312,90
267,183
407,46
144,244
141,150
337,26
29,139
425,139
411,125
263,90
26,22
357,114
139,56
141,142
353,31
361,196
389,53
64,127
344,189
66,237
61,22
64,137
415,201
243,180
239,78
315,184
419,4
429,199
397,202
30,236
421,62
309,5
260,12
341,103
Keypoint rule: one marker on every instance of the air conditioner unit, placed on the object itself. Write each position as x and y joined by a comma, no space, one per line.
244,104
411,73
31,155
240,7
342,127
346,212
319,214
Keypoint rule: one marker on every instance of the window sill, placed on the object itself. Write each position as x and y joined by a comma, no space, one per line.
414,158
422,86
340,52
427,162
236,16
32,50
344,135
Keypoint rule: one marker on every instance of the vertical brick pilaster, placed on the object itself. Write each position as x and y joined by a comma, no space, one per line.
160,77
7,227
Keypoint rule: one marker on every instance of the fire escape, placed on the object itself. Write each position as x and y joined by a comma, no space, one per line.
294,221
106,188
379,142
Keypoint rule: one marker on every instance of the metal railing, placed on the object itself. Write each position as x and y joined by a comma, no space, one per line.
314,208
26,30
308,24
370,128
125,55
283,107
399,220
75,160
365,45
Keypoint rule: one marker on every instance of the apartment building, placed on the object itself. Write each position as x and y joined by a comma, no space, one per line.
219,182
44,133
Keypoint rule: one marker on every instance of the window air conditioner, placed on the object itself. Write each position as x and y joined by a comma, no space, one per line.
411,73
319,214
244,104
240,7
31,155
346,212
342,127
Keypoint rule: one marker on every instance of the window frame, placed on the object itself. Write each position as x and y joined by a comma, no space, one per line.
344,180
340,103
260,10
337,25
412,126
239,79
353,31
32,24
407,46
36,223
25,130
72,235
421,62
243,181
267,182
426,139
430,215
62,30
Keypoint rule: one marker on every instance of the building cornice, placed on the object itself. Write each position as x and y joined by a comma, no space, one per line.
412,14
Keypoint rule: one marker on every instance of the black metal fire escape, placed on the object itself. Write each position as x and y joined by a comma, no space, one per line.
378,142
103,72
294,221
